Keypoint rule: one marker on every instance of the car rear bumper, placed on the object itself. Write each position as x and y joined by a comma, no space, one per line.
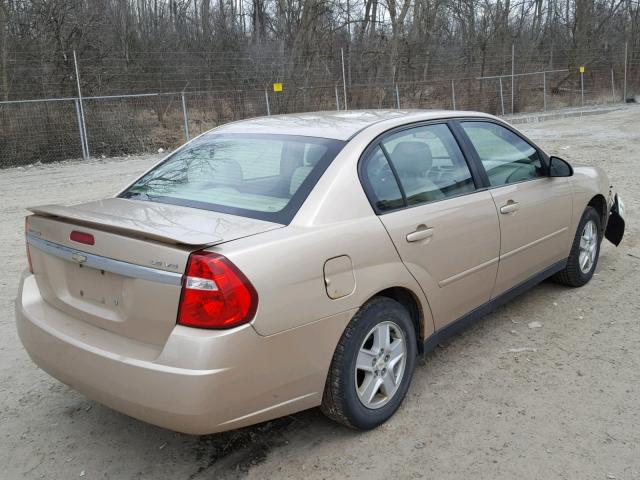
201,381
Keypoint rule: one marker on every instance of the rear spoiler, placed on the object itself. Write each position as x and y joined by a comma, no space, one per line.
178,235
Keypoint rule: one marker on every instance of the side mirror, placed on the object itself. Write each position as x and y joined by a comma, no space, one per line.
559,167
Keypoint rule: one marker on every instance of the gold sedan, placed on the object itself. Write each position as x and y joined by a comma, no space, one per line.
277,264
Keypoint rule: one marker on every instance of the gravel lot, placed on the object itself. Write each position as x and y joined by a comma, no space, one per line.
569,410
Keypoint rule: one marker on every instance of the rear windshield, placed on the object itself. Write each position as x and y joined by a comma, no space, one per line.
261,176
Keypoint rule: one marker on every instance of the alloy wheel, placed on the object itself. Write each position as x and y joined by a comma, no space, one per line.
380,365
588,246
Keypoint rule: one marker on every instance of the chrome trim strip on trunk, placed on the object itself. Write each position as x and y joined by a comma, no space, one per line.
103,263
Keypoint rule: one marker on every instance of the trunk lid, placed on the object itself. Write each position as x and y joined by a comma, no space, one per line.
129,281
158,221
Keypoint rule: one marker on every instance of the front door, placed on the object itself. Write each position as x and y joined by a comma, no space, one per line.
534,209
445,231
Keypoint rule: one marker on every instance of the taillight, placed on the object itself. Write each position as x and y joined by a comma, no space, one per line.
26,242
215,294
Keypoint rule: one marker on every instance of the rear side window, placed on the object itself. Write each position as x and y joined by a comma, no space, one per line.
381,182
506,157
260,176
429,163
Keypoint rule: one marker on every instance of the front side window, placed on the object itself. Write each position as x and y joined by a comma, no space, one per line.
429,163
260,176
506,157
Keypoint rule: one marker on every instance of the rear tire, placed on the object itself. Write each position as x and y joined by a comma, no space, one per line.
369,376
585,251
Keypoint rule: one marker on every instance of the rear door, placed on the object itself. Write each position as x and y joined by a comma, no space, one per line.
534,209
445,231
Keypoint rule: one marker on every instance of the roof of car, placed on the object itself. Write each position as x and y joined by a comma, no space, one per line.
339,125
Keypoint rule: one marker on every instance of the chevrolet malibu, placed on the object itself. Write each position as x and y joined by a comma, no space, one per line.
281,263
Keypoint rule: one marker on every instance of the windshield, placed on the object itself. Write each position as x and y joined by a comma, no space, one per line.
260,176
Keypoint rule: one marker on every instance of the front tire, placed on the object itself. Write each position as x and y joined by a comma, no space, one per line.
585,251
372,366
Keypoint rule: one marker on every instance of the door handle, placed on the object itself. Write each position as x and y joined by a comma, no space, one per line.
421,233
510,207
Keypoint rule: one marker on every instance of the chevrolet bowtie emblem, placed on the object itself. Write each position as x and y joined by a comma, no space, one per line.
79,258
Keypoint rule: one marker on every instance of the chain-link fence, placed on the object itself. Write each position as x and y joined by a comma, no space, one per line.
101,126
42,130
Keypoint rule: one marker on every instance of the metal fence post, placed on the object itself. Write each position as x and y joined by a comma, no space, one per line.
186,118
266,98
544,91
501,96
453,95
337,98
582,87
79,118
624,88
613,88
344,81
513,77
397,97
86,153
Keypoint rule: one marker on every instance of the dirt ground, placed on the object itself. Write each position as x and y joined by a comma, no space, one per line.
570,409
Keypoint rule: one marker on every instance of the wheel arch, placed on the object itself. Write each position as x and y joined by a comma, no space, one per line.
411,302
599,203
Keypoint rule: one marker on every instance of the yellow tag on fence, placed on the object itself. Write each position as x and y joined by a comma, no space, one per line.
277,87
581,69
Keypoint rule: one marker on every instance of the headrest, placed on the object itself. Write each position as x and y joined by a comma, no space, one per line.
228,171
412,157
314,154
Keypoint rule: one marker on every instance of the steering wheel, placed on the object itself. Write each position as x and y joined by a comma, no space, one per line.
509,177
